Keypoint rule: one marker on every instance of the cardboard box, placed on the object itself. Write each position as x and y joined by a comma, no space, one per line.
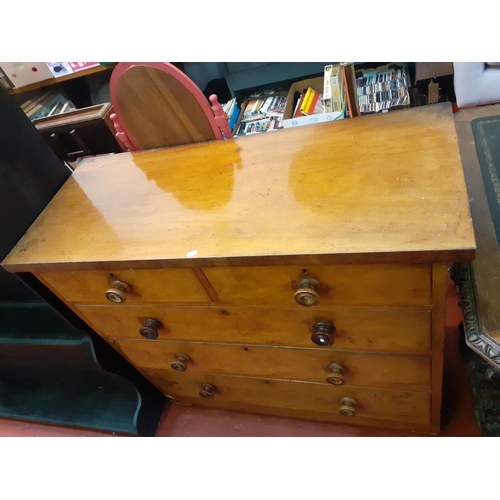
21,74
301,86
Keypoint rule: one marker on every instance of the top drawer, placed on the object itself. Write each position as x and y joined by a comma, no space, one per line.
375,284
138,286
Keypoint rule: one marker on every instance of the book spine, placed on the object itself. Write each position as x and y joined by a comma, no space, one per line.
336,90
327,92
311,107
307,100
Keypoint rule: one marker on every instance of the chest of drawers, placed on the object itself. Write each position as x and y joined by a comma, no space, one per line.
299,273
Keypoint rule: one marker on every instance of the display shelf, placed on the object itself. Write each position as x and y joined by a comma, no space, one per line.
55,81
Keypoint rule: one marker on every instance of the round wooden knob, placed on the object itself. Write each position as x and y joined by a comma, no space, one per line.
150,329
336,377
348,407
322,334
207,391
307,292
180,365
116,293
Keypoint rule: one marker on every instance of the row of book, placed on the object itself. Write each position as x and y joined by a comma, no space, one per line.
263,112
232,111
382,90
323,98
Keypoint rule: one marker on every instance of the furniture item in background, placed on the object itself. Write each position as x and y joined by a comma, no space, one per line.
309,284
476,83
82,132
47,103
20,74
478,131
433,83
157,105
50,361
478,281
49,373
50,80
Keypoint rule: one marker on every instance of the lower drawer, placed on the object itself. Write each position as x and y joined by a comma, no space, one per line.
209,390
355,329
311,365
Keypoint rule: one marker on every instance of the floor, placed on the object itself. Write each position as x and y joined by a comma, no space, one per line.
180,421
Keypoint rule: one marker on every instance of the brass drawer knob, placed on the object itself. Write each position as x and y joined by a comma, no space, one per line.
307,292
208,391
180,365
116,293
348,407
336,377
322,333
150,329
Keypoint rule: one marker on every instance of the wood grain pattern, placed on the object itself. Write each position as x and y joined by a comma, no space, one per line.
340,285
429,70
214,238
148,285
403,331
158,110
410,407
310,365
333,191
306,414
76,116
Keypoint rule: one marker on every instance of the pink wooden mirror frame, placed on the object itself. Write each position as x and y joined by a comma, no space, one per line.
215,114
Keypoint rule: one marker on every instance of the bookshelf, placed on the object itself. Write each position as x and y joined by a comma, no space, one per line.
55,81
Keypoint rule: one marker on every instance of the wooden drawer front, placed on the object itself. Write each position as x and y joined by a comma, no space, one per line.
147,286
371,403
340,285
311,365
361,330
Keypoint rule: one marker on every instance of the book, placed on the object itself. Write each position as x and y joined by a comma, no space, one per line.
307,99
28,105
5,81
37,104
59,69
80,66
337,88
297,111
313,103
327,89
262,112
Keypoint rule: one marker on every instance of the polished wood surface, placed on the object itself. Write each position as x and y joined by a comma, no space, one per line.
397,331
157,110
410,407
147,286
311,264
338,285
310,365
380,188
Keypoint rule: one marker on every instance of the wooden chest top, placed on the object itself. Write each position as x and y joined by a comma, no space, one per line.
380,188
